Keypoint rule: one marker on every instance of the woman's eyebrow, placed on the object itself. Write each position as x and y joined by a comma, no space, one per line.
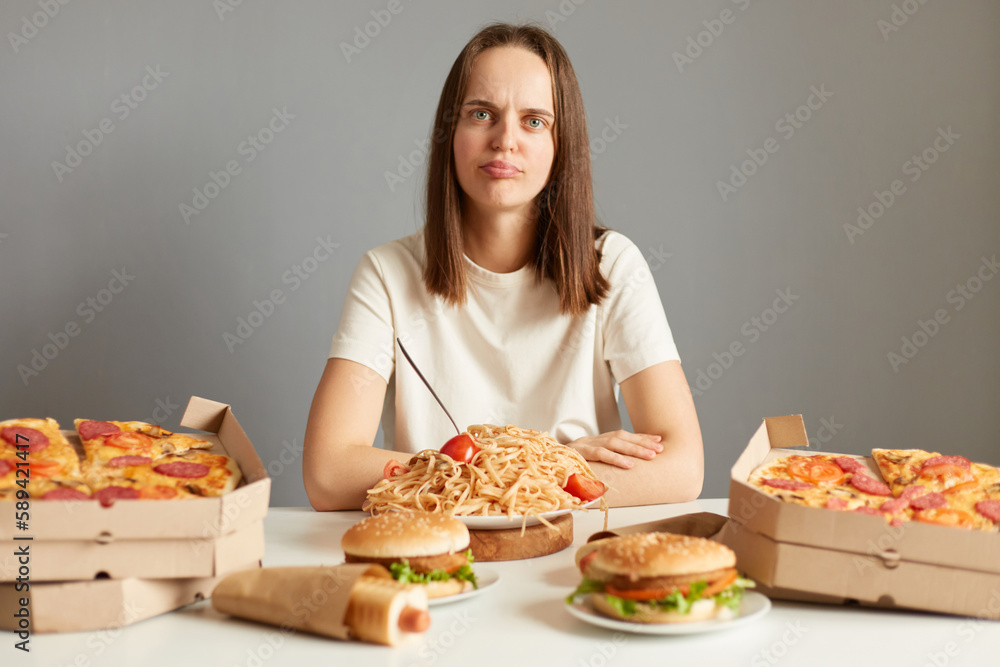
490,105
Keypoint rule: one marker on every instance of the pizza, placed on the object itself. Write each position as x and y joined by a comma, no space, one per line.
822,480
49,450
940,489
910,484
122,460
39,445
104,441
189,475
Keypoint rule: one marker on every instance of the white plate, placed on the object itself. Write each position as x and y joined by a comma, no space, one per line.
753,607
502,522
485,578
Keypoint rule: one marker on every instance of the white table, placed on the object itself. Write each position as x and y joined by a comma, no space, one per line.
522,620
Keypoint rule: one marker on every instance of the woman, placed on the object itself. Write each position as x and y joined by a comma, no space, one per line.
517,307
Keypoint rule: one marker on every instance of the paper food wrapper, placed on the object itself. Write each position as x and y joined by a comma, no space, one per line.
351,601
700,524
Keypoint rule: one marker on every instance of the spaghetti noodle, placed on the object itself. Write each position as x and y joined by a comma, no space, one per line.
517,472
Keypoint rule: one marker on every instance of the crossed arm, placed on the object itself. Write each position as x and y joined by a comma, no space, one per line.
662,462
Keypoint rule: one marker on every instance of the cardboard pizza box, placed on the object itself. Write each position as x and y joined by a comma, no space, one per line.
101,604
60,560
808,553
201,537
814,574
144,519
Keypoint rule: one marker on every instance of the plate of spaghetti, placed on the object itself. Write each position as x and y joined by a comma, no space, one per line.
517,475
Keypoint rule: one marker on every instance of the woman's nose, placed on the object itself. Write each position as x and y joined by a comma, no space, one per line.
505,137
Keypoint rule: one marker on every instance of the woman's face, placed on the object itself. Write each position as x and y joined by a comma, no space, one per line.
505,141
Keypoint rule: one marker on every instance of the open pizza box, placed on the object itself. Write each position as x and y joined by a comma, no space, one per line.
84,557
142,519
815,554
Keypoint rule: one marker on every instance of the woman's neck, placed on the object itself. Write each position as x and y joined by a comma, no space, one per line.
501,241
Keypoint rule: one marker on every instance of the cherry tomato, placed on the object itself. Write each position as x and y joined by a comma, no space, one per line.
583,488
586,560
393,468
461,448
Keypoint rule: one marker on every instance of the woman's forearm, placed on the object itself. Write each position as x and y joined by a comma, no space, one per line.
673,476
342,480
339,462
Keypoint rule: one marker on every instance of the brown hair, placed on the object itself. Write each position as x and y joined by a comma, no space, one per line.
566,227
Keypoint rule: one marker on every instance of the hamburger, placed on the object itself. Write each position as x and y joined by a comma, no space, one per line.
417,548
660,578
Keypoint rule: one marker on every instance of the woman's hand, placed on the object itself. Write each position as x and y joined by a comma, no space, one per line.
618,448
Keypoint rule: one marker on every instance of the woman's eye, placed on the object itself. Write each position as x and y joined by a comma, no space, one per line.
536,123
481,114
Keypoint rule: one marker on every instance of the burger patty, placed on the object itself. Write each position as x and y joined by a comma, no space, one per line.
625,583
422,564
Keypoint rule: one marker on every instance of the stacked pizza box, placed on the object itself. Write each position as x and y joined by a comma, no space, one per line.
821,555
91,567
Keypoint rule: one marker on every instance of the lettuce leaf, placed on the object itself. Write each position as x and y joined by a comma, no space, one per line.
402,572
586,587
730,597
733,596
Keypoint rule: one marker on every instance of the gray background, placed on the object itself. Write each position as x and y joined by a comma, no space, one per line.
717,263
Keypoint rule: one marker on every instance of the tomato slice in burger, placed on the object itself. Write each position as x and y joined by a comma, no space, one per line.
720,584
815,470
461,448
394,468
945,516
584,488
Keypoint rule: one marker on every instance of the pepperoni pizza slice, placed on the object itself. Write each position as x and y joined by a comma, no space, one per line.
104,441
49,452
123,460
190,475
944,490
197,473
821,480
901,467
39,479
8,476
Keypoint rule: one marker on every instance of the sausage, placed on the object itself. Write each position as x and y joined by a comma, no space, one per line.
867,484
412,619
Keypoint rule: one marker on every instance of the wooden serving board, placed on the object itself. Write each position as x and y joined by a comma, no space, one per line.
509,544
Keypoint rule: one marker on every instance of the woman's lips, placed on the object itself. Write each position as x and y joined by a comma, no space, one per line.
500,169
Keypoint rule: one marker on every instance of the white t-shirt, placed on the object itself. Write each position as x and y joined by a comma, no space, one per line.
508,356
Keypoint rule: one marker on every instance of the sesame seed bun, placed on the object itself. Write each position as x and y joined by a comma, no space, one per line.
405,535
661,554
442,589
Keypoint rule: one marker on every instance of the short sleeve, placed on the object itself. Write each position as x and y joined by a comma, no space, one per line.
636,333
365,334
